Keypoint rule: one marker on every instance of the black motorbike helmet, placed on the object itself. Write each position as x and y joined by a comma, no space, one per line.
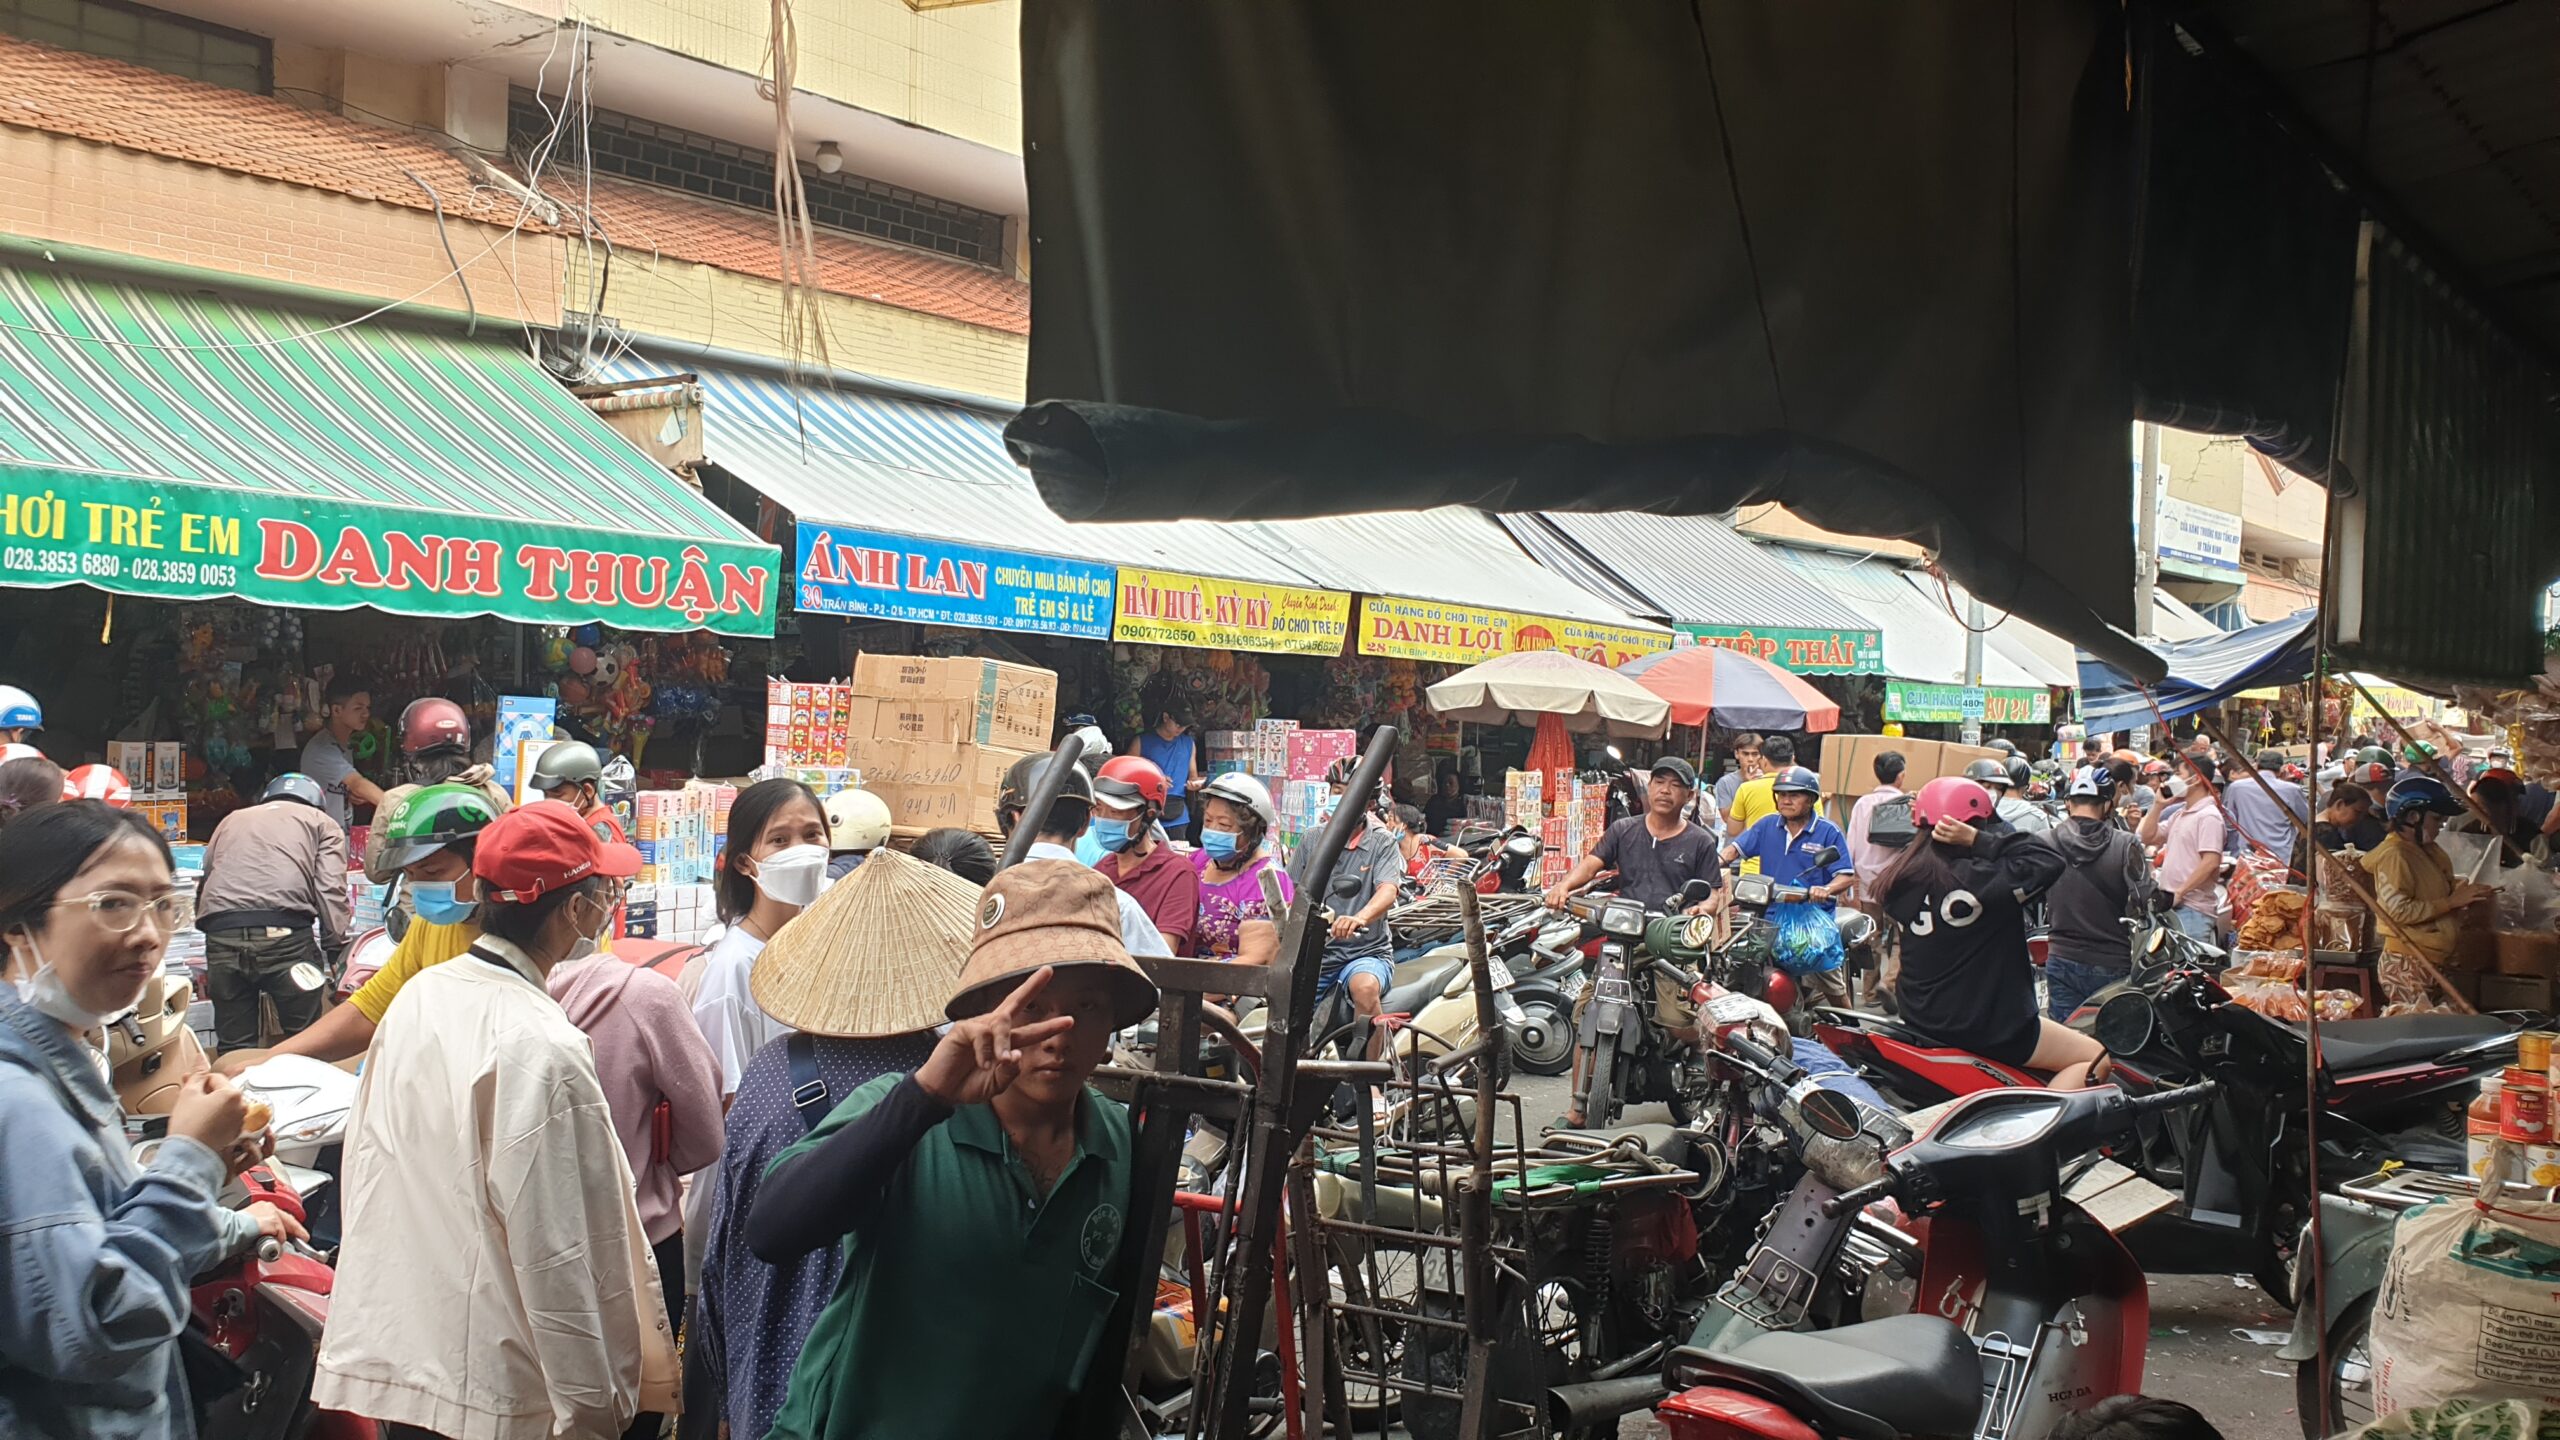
1013,795
1989,774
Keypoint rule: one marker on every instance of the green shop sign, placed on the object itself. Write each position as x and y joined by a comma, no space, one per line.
1953,704
191,542
1817,652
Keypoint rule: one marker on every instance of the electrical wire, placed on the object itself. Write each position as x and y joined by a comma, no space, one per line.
472,328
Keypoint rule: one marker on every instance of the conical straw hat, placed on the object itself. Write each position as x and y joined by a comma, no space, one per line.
876,955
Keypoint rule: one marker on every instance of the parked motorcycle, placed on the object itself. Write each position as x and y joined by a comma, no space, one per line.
1632,1056
253,1343
1549,958
2029,1309
2390,1090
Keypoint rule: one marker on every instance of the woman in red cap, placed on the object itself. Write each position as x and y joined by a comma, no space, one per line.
496,1280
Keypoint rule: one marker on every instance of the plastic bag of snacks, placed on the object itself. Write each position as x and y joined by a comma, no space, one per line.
2467,1307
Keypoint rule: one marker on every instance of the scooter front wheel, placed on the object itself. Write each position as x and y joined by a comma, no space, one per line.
2347,1382
1599,1100
1542,1038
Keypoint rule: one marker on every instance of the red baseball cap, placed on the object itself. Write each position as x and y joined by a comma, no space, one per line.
535,849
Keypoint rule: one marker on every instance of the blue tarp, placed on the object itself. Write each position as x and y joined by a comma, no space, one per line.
2202,673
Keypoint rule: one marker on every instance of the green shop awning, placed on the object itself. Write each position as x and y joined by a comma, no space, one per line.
182,445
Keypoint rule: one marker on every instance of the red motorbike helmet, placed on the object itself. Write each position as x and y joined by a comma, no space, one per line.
1952,797
432,722
1132,780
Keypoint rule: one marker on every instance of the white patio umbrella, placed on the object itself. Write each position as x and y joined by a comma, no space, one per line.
1522,687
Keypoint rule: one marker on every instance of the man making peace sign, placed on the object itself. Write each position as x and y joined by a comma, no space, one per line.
980,1199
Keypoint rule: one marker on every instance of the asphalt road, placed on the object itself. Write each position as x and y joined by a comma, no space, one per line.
2197,1353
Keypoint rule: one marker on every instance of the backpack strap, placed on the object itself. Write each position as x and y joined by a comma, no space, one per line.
808,1087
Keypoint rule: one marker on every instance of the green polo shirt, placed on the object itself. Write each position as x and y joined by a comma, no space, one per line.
972,1307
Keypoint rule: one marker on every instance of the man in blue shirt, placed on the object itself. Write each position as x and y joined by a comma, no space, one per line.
1788,845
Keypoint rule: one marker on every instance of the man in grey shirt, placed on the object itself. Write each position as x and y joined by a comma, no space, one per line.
1360,890
2254,817
1746,756
346,709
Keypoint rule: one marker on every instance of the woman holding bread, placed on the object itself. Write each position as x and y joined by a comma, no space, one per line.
98,1250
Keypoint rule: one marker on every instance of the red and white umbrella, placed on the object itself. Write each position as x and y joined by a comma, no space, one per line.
1739,692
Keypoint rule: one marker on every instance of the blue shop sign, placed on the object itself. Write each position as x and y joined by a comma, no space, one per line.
843,570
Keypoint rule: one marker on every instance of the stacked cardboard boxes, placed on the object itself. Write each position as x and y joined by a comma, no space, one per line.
679,832
933,737
157,771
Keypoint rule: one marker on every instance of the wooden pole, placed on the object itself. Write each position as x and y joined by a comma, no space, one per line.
2345,875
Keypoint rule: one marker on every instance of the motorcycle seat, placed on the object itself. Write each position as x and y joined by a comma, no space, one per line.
2350,1045
1878,1380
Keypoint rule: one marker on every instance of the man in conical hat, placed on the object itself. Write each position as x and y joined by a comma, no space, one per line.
984,1195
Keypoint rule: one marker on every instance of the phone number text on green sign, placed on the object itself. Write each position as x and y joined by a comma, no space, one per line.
1948,704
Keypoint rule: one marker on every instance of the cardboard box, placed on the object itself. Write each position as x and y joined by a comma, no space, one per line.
133,759
168,770
2530,954
922,722
2515,992
927,786
1012,706
1849,770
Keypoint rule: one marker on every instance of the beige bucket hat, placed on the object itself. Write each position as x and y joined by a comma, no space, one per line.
1049,913
875,955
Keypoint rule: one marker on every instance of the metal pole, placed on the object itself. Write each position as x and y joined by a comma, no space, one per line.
1044,793
2146,534
1973,628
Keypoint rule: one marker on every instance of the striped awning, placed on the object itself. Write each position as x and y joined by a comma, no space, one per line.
1444,585
183,445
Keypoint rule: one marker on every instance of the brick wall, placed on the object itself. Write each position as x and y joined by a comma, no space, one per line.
697,304
952,70
81,193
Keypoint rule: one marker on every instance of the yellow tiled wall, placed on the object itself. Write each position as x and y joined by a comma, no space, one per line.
955,70
697,304
76,192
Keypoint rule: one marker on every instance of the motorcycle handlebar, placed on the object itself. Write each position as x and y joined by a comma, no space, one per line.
2172,1099
1849,1202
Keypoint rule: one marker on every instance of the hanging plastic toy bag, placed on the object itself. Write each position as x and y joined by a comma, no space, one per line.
1806,939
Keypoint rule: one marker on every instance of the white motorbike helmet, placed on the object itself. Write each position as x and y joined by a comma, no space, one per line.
1238,788
857,820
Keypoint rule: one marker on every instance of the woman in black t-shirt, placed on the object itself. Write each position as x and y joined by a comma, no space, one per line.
1960,898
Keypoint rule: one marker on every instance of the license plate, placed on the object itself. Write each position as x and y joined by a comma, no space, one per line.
1509,1009
1617,990
1498,973
1572,987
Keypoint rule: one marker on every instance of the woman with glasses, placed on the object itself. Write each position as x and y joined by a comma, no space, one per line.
96,1251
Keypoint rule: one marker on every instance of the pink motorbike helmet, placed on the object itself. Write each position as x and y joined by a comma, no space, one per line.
1952,797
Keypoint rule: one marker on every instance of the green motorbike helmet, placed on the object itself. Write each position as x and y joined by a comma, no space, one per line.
432,817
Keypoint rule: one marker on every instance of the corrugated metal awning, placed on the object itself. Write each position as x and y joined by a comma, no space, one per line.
861,457
1691,569
1922,639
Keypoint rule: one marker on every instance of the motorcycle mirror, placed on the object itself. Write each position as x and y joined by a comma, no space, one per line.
2158,939
1830,1113
1614,755
1827,855
2126,1023
1695,891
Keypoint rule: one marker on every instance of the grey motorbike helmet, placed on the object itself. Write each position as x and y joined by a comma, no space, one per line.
571,762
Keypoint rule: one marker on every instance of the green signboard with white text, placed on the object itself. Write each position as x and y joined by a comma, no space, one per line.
1811,652
178,541
1953,704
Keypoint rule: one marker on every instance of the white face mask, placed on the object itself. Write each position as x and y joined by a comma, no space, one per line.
45,993
793,876
585,945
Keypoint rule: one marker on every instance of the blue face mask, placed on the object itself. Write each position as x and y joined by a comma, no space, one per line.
1221,844
1111,835
436,903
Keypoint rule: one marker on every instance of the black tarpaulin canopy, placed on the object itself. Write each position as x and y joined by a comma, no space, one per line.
1867,260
